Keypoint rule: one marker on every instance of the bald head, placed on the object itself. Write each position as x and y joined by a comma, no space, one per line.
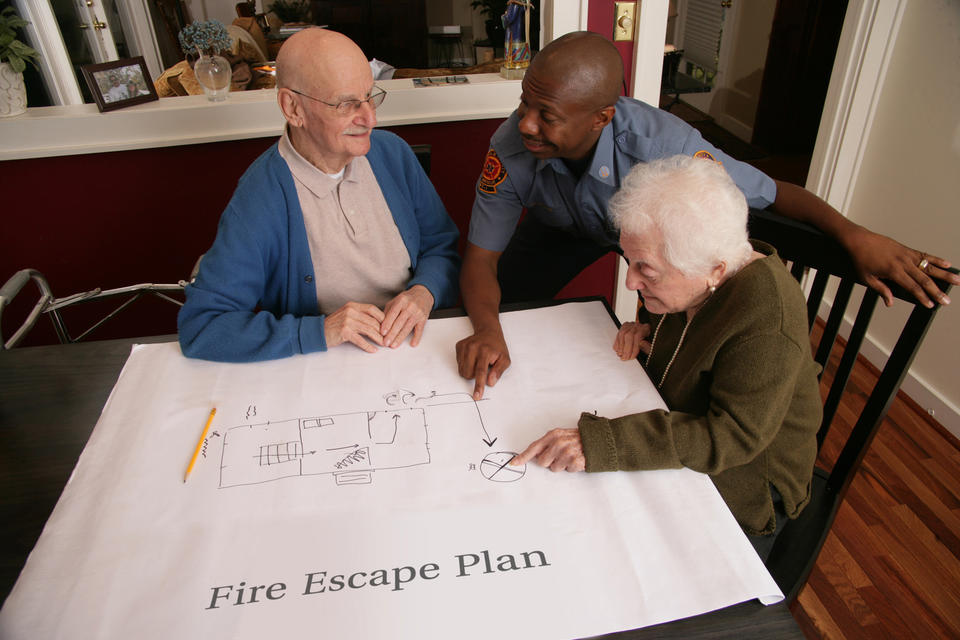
588,64
317,71
317,58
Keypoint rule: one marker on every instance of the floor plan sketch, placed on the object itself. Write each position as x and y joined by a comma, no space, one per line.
348,446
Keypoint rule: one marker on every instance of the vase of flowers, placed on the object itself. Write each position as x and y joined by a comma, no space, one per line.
14,56
205,41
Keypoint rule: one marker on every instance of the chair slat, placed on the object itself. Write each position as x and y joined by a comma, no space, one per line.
847,360
815,297
832,328
875,409
797,270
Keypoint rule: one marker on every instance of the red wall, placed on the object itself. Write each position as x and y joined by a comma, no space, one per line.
600,20
114,219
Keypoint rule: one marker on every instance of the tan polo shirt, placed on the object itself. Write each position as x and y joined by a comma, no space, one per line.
356,248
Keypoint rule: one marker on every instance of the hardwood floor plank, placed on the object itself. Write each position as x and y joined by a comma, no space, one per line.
834,597
940,467
892,622
929,572
884,570
906,446
904,484
875,490
818,617
842,558
924,619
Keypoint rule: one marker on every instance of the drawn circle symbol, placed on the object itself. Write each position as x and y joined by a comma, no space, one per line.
496,467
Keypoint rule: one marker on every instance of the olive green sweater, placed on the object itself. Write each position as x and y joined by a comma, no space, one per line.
743,398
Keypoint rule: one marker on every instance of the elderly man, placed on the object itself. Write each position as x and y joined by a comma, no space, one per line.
563,153
334,234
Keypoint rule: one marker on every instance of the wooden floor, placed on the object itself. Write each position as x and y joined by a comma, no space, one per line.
890,567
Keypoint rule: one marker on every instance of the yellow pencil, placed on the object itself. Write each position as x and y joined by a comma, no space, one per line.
196,451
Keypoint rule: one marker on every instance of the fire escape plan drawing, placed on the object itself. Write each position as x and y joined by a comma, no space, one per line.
348,446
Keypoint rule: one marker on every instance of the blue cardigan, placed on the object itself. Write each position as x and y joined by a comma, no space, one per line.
255,298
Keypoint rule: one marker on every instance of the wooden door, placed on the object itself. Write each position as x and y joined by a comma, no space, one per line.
803,45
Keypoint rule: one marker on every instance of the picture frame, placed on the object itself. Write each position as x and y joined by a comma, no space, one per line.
111,83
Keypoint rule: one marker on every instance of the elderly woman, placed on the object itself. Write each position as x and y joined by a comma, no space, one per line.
729,352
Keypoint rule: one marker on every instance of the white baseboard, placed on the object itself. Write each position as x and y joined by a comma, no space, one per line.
939,407
736,127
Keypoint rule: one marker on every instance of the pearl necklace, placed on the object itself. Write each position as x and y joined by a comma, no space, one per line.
653,343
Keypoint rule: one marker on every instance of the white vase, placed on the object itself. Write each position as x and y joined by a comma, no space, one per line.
13,93
214,74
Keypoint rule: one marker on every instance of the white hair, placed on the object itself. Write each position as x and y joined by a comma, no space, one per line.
698,209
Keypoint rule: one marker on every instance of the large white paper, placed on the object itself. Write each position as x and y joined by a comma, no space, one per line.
346,494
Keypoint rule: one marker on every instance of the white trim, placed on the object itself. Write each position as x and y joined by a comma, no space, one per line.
737,127
75,129
560,17
43,32
863,54
729,27
650,32
138,28
100,39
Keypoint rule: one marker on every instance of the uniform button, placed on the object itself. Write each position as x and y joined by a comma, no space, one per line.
308,279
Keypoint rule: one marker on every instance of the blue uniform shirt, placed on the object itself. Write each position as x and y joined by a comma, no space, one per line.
513,179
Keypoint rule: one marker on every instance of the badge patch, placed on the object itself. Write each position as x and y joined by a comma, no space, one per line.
493,173
706,155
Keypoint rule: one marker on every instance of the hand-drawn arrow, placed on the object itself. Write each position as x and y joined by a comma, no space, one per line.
487,440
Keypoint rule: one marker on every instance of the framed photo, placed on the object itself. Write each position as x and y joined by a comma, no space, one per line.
118,84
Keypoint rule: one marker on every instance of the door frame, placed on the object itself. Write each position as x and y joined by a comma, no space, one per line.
650,30
863,55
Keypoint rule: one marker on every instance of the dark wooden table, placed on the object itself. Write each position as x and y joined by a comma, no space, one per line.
50,400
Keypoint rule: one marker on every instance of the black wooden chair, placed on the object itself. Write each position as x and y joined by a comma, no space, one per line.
423,151
798,545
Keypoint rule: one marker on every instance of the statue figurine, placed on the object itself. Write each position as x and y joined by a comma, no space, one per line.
516,49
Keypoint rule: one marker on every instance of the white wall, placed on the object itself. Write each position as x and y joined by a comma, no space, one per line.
908,185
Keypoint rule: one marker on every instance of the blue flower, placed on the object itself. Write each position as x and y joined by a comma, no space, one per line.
206,37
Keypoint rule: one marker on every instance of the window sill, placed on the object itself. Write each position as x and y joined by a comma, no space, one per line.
78,129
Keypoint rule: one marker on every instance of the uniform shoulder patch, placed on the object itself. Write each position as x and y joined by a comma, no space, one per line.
706,155
493,173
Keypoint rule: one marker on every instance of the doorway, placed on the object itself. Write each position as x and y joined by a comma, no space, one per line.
773,64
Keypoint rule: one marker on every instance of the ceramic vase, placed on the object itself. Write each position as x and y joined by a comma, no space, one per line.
13,93
213,72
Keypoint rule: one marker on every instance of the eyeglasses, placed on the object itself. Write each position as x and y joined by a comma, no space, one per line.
350,107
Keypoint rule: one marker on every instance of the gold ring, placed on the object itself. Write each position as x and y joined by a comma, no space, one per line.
924,263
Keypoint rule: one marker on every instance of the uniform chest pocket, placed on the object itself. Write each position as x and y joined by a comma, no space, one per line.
551,216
